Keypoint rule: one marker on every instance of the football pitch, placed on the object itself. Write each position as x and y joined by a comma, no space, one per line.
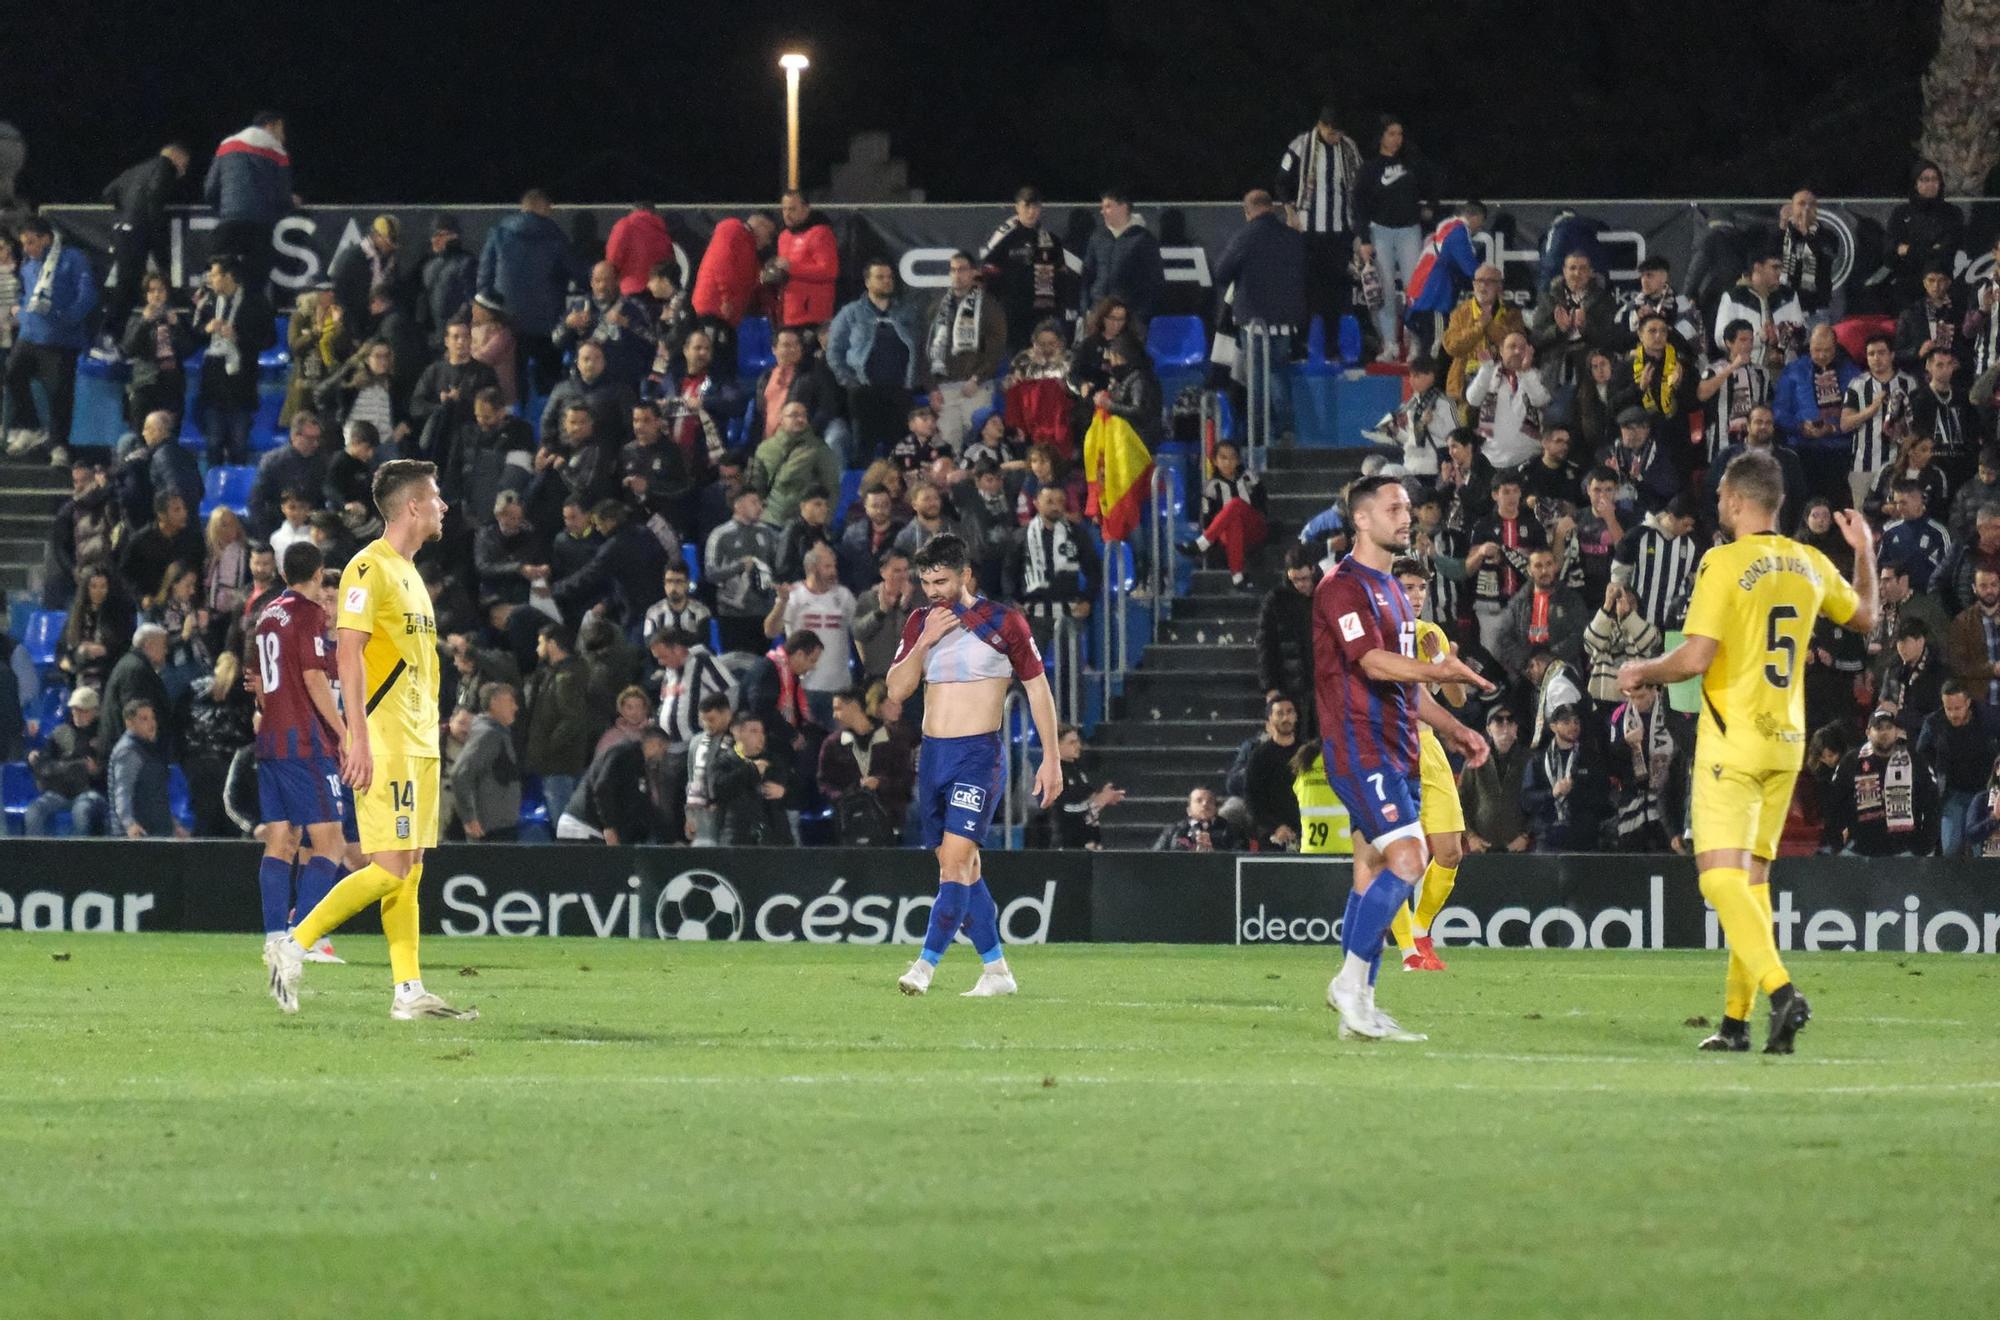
695,1130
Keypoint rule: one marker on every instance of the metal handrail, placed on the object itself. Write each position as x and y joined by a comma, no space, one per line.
1256,339
1067,642
1159,536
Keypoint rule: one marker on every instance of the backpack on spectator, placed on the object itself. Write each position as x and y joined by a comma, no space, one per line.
863,821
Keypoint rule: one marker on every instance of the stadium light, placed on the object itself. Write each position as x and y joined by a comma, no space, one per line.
793,63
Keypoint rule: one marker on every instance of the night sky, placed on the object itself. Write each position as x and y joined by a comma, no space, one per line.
677,102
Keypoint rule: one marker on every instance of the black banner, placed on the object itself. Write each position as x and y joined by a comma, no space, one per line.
1693,235
869,896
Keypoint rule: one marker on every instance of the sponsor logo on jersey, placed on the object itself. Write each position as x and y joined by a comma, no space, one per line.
968,797
1350,626
357,600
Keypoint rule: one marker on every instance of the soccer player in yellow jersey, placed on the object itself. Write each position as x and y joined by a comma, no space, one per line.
1748,627
1440,813
388,659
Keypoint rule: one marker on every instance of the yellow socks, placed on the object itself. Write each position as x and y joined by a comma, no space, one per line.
1399,926
355,891
1746,924
399,925
1739,994
1436,891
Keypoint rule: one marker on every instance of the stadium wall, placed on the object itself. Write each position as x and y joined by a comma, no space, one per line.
867,896
1692,234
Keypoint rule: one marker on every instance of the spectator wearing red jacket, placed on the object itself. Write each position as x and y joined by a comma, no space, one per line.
638,242
728,284
807,263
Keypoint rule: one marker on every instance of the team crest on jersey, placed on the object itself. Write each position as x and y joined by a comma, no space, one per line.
1350,626
402,827
968,797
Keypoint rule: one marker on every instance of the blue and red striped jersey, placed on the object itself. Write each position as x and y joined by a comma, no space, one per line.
1367,726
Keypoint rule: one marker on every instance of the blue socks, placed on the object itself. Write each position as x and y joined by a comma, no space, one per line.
316,880
982,923
1369,917
947,915
274,887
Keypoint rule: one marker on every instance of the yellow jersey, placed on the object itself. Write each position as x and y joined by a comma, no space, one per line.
1324,826
1432,647
381,594
1758,598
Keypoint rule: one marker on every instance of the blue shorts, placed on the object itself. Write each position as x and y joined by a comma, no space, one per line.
958,786
1383,805
350,825
301,790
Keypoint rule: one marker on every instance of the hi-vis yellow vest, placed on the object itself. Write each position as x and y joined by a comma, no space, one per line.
1324,828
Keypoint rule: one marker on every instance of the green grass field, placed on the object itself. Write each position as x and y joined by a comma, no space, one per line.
710,1130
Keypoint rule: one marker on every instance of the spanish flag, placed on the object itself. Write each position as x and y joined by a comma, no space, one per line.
1119,470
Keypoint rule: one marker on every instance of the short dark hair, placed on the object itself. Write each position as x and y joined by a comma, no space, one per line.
1425,363
266,118
1277,697
1466,435
1905,486
713,701
1118,195
163,500
1737,327
1683,505
671,637
360,428
803,641
1953,688
394,478
295,493
610,511
1508,477
302,563
490,395
34,224
130,711
1912,626
946,551
228,264
1871,341
873,262
560,634
1602,472
1300,556
744,717
1654,263
676,566
1366,489
1407,566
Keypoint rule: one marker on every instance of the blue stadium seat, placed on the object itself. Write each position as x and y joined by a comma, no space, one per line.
178,803
691,555
99,415
715,635
534,807
279,354
753,346
49,709
1177,341
739,425
45,629
850,490
17,790
228,487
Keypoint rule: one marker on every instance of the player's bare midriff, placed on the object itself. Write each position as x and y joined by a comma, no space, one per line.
959,710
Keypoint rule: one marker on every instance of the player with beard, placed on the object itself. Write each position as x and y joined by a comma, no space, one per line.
1372,694
969,650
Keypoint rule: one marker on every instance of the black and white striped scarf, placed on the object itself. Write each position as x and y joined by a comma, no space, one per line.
1643,802
955,329
1801,261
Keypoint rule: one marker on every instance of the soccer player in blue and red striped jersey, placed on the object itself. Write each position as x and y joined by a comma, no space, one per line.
1370,686
298,742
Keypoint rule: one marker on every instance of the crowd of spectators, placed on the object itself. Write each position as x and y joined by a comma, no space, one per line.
664,619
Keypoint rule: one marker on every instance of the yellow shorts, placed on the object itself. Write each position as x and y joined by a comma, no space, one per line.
1440,811
400,809
1735,809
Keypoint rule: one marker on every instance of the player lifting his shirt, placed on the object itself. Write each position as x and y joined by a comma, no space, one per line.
388,661
1748,628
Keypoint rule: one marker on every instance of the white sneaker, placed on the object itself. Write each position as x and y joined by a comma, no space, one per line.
323,953
59,456
992,983
287,964
1390,355
20,441
1393,1030
1357,1021
428,1005
918,979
